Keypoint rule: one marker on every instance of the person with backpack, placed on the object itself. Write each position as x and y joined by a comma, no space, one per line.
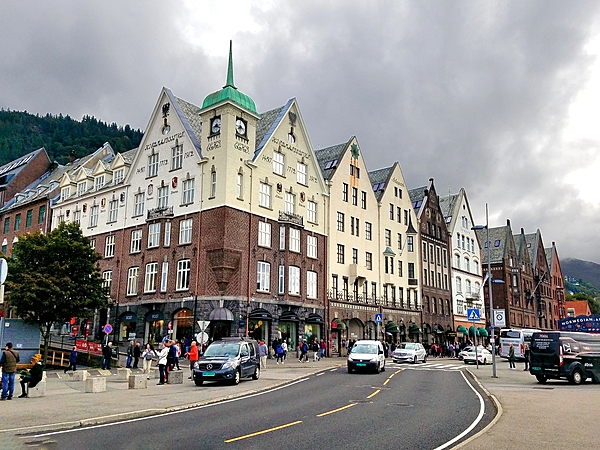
147,356
279,352
303,352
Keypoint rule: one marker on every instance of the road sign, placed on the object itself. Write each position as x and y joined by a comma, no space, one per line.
202,337
203,324
473,315
378,318
499,318
108,328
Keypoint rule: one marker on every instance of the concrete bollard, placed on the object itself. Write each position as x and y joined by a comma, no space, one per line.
175,377
155,373
138,381
95,385
80,375
39,390
123,373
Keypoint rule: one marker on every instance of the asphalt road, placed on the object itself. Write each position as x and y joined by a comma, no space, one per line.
404,407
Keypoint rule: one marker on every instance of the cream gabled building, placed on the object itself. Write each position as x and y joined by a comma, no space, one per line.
370,256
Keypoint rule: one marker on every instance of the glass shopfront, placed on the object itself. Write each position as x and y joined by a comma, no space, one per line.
127,326
183,324
259,325
155,321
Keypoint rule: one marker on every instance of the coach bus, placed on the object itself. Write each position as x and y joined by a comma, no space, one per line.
518,337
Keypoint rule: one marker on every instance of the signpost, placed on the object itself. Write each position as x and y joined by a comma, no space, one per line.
107,330
202,337
499,318
473,315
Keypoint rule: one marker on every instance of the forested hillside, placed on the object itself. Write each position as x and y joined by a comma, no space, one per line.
62,136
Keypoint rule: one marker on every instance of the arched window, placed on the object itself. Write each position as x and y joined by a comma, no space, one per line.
458,285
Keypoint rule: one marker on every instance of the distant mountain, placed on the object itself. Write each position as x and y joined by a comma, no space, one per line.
61,136
581,270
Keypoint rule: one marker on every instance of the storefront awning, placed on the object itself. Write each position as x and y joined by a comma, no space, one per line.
221,315
414,329
337,324
482,332
153,316
392,327
472,331
462,329
314,318
288,316
260,313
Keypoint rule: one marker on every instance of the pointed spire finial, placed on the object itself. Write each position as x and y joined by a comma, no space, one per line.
230,67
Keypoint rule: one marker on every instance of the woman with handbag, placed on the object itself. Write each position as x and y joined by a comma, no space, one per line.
147,356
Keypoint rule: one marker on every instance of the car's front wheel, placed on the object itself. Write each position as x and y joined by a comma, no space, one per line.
198,381
576,377
349,369
383,368
236,377
415,359
484,361
541,379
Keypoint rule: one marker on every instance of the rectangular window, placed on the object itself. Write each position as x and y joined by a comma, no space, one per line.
409,243
183,275
281,237
65,193
138,204
352,225
368,236
150,281
109,246
17,222
311,284
290,203
264,198
354,196
411,270
278,163
354,256
185,231
99,182
92,244
340,254
264,234
363,199
281,283
295,240
76,216
113,211
398,214
153,235
399,268
132,280
94,211
177,157
311,246
81,188
340,221
301,173
6,225
240,185
345,192
391,211
42,214
294,280
118,176
369,260
29,218
107,280
153,165
405,217
163,196
311,215
136,241
188,192
167,239
399,241
263,277
164,276
388,238
213,184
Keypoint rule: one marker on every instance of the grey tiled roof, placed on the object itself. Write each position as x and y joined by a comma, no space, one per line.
378,177
447,204
499,241
549,257
188,114
326,158
129,155
267,124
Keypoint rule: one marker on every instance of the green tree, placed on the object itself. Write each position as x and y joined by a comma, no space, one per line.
54,277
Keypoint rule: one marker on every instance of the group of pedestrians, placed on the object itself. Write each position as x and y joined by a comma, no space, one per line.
30,378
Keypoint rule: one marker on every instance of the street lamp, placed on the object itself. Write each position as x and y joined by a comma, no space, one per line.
489,271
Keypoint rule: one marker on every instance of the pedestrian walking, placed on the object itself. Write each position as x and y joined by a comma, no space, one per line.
176,350
8,363
193,357
147,356
284,348
72,360
263,351
163,363
526,354
129,354
323,346
137,352
106,356
33,376
279,353
303,352
511,356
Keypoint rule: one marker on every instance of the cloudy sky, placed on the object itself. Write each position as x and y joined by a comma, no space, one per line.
499,97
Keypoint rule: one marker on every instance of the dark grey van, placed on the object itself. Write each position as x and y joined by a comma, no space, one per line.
228,359
560,354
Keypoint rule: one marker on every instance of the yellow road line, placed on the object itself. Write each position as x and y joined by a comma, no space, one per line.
397,371
336,410
374,393
263,431
386,381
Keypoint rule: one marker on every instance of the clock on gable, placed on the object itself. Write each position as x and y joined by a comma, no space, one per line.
354,151
215,125
241,127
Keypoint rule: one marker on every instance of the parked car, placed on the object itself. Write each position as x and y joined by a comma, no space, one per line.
468,355
410,352
229,359
366,355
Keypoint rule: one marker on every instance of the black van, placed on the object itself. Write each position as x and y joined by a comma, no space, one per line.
561,354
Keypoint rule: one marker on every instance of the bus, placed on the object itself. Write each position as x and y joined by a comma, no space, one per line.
518,337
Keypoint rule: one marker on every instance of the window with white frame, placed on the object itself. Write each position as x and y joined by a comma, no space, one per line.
92,244
177,157
132,280
363,199
368,228
340,221
281,237
369,260
290,203
476,267
458,285
136,241
340,253
278,163
163,196
264,196
311,284
311,246
311,211
185,231
76,216
164,276
345,192
263,277
457,261
240,185
167,238
138,204
153,235
188,192
468,287
113,211
295,240
281,283
107,279
81,187
354,196
264,234
153,165
409,243
467,265
118,176
294,280
213,183
109,246
388,238
150,280
301,173
99,182
65,193
399,241
183,275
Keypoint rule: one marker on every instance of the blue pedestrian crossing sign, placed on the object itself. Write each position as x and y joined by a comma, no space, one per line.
473,315
379,317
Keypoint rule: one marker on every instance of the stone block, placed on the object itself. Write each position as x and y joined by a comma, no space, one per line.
95,385
39,390
138,381
123,373
155,373
80,375
175,377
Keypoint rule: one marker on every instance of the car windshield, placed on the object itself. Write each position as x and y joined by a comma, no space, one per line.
224,349
408,346
364,348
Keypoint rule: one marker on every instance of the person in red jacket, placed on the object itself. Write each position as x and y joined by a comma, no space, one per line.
192,356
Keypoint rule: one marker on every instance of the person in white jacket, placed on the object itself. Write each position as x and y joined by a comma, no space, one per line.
162,362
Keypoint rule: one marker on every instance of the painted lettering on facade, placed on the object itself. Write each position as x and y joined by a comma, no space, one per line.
164,140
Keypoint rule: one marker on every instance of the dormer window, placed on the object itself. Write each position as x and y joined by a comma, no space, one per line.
81,188
65,193
118,176
99,182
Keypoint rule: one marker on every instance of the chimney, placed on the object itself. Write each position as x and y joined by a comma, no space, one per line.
508,222
522,230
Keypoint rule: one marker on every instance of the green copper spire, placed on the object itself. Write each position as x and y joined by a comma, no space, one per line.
229,91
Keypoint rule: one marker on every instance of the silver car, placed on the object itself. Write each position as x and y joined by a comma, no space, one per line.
410,352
